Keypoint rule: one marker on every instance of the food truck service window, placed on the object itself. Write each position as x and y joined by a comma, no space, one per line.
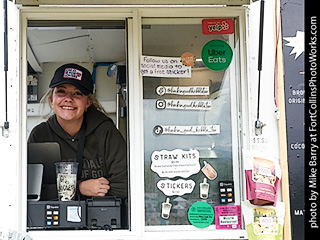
77,60
190,73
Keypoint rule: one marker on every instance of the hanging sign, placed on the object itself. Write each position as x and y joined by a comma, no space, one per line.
217,26
217,55
182,104
178,187
163,67
184,91
176,163
187,130
201,214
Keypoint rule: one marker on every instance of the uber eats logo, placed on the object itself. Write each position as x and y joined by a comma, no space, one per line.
216,55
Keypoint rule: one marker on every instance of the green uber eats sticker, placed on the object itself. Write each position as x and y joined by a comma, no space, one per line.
216,55
201,214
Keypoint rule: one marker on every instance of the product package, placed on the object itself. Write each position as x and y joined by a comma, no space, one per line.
264,222
263,175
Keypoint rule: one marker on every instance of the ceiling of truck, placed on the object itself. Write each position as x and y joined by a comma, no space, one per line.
78,45
75,41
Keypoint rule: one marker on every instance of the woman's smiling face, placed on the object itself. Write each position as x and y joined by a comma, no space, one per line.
69,103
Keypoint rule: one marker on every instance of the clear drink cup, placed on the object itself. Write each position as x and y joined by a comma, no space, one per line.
66,180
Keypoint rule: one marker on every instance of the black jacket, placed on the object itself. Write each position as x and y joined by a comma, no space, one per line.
104,153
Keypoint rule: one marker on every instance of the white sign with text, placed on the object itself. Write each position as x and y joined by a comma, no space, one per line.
176,188
183,90
187,130
175,163
151,66
183,104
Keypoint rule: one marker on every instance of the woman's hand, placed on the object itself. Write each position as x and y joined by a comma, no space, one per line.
94,187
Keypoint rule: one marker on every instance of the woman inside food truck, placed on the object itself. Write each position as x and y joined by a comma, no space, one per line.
81,127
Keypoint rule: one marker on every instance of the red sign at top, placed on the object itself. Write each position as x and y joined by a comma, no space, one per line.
217,26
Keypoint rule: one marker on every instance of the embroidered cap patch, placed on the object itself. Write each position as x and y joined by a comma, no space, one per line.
72,73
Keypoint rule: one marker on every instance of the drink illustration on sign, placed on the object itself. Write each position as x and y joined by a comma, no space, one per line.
209,171
166,208
204,189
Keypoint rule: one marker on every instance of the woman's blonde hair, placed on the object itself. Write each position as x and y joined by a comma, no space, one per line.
45,101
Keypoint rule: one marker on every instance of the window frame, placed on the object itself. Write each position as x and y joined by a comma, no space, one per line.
135,98
231,72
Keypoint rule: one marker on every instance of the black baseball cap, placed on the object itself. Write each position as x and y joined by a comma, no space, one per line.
73,74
